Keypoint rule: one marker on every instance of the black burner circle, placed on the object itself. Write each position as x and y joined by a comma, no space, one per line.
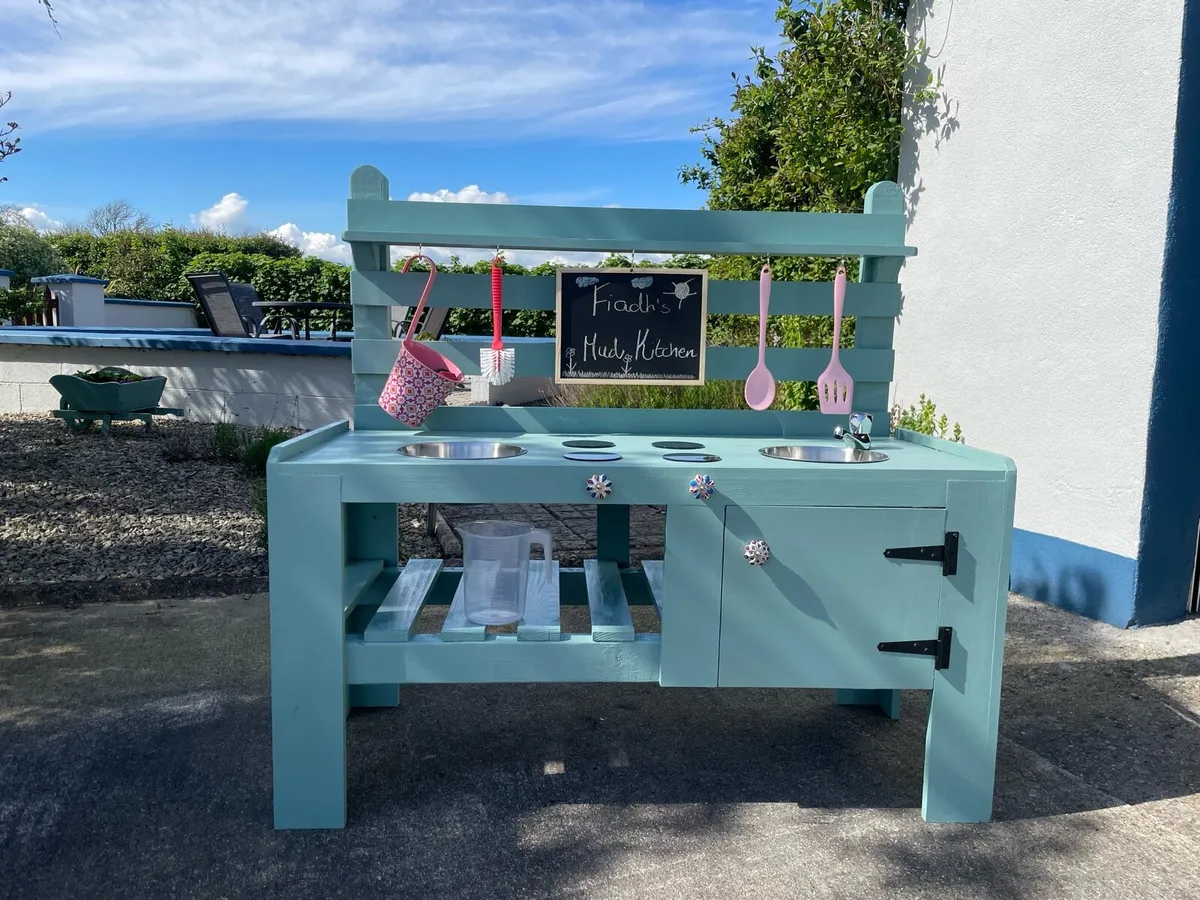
677,445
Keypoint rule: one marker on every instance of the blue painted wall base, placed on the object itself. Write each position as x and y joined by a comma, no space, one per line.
1074,577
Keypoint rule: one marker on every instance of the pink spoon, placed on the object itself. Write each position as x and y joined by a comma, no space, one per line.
760,386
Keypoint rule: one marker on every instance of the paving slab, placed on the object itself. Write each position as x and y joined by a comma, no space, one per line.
135,763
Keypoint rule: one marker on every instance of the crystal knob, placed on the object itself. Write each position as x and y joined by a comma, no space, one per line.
701,487
757,553
599,487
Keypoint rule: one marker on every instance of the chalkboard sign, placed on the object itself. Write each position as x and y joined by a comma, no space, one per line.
632,326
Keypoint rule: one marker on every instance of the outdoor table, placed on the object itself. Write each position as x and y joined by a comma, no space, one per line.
303,311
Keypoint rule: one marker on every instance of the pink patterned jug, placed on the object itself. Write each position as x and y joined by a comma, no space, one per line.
422,378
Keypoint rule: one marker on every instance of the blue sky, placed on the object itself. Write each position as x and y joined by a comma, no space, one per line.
250,114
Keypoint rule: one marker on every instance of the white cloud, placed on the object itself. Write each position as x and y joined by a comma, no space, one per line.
470,194
418,69
231,209
225,214
30,215
314,243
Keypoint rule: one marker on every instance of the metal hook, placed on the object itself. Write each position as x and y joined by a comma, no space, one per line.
632,260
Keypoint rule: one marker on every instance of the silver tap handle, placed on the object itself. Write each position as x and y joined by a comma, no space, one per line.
860,423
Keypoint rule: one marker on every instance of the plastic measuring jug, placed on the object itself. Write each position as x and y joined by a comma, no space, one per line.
496,569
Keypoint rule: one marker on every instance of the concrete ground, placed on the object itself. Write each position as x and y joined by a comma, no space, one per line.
135,763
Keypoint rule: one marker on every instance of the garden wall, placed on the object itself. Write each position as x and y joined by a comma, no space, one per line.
1039,196
122,313
260,382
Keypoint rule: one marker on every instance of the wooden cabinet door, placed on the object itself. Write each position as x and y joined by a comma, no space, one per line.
814,613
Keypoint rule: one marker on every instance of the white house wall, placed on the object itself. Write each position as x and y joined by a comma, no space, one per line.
1030,311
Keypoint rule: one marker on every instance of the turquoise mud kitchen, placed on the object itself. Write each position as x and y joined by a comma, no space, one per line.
802,550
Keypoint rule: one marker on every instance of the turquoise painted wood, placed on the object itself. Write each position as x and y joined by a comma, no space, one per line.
307,627
541,619
343,613
504,658
535,357
357,576
525,227
607,605
793,298
612,533
396,616
964,711
654,578
691,607
457,626
570,420
808,617
888,701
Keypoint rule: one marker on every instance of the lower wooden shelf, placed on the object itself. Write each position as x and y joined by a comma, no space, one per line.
407,591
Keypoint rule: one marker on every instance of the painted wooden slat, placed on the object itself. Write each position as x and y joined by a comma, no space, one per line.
397,614
572,420
465,291
607,605
457,626
528,227
503,658
873,332
541,619
308,441
654,577
356,577
961,451
535,357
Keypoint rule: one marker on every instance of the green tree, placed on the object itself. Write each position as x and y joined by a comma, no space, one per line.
27,253
814,127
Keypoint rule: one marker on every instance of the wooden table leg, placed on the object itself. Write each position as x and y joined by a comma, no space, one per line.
964,710
306,531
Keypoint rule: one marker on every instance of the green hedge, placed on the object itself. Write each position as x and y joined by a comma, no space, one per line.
291,280
147,264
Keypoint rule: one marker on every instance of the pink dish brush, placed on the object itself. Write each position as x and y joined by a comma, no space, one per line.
497,363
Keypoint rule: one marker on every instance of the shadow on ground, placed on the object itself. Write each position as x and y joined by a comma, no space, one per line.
135,762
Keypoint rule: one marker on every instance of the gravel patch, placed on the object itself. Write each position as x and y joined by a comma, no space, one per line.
85,518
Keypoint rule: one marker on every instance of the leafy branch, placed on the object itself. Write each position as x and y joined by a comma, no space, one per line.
9,145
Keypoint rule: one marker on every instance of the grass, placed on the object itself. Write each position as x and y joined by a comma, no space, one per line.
710,395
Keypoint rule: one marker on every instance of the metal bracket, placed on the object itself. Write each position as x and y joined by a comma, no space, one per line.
945,553
939,649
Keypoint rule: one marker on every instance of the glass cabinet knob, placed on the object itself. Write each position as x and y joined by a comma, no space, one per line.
757,553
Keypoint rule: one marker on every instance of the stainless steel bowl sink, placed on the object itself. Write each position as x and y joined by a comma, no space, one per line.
822,454
461,450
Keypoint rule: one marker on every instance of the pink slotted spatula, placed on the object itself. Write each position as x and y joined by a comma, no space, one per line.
760,385
835,387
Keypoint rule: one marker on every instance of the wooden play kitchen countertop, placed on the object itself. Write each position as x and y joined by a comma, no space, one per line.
373,469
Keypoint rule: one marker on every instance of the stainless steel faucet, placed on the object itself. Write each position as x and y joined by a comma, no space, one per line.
859,433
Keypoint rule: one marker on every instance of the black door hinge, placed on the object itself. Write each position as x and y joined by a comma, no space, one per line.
946,553
939,649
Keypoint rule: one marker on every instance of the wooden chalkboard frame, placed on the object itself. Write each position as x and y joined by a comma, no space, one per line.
702,274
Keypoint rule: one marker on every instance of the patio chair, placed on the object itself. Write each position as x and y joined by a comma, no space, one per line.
435,321
230,310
